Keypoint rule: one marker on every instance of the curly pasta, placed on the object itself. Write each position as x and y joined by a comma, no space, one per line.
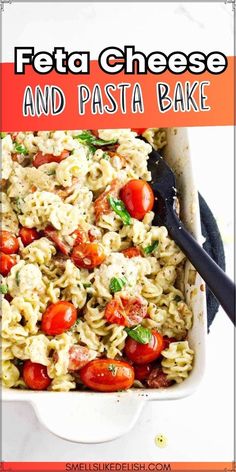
39,252
178,361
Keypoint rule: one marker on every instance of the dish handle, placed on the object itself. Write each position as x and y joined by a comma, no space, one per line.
89,418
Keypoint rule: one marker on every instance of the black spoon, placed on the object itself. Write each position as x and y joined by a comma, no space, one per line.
164,187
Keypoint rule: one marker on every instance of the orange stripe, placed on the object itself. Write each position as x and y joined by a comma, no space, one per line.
118,466
220,95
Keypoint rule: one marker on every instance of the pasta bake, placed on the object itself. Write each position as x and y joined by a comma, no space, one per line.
92,293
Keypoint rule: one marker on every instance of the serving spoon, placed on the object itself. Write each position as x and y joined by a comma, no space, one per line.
164,187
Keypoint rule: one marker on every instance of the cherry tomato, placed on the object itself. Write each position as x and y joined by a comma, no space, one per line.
139,130
144,353
125,312
80,236
78,357
88,255
131,252
142,371
58,318
35,376
40,158
52,234
8,242
107,375
101,204
7,261
138,198
28,235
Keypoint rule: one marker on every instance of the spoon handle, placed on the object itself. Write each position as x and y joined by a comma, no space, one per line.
218,282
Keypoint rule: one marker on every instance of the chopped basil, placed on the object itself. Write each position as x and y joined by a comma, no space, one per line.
112,369
151,248
117,283
18,278
105,156
119,208
19,149
140,334
177,298
87,285
3,135
92,141
3,289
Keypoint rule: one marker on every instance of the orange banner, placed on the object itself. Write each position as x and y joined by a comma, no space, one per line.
118,466
98,100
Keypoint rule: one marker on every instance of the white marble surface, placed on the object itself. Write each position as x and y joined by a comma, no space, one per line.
199,427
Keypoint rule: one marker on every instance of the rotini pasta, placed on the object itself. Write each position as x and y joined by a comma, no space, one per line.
178,361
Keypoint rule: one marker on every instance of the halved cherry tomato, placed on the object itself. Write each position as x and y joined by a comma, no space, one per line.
125,312
40,158
131,252
88,255
142,371
144,353
7,261
101,204
78,357
80,236
138,198
28,235
58,318
8,242
138,130
35,376
107,375
52,234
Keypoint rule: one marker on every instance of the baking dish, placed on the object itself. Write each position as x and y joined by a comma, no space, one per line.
90,417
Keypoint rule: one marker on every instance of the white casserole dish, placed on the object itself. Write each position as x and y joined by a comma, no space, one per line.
90,417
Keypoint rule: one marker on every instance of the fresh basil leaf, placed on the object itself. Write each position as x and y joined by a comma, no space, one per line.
119,208
88,138
117,283
151,248
140,334
19,149
3,289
